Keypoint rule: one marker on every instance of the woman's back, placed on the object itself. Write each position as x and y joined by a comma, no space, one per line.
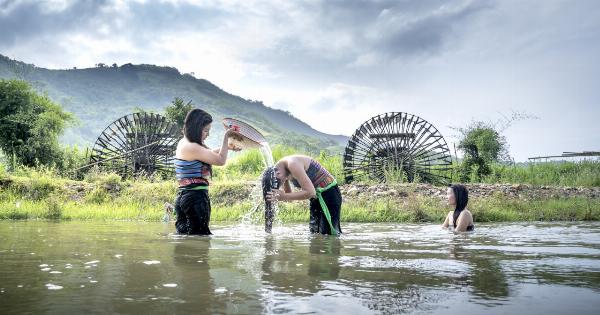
464,222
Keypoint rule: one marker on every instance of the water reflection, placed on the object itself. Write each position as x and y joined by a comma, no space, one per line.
300,270
195,286
487,279
323,259
373,268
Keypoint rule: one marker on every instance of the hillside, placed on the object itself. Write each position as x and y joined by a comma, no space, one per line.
100,95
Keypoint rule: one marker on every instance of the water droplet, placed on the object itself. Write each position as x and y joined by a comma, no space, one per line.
92,262
170,285
44,265
55,271
45,269
118,255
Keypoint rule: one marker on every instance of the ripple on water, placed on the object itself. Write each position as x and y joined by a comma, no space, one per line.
52,286
446,267
220,290
538,250
93,262
151,262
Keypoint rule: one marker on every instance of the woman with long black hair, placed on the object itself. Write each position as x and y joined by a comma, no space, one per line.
315,183
461,218
193,169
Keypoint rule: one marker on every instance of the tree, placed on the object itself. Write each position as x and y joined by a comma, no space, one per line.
482,145
177,111
30,124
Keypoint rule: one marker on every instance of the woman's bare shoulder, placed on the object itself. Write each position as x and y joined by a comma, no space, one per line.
466,212
299,160
188,150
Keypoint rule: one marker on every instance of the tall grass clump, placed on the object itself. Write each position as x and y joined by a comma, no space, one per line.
249,164
36,183
332,163
581,173
244,165
54,208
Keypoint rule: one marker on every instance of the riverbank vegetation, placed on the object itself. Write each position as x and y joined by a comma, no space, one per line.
40,179
29,193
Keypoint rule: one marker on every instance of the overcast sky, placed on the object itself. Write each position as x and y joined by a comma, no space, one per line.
335,64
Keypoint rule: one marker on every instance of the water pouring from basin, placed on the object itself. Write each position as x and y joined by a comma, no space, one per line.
250,138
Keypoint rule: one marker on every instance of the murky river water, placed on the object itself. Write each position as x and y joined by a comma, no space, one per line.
142,268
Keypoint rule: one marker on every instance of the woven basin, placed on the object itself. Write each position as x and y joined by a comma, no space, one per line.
250,137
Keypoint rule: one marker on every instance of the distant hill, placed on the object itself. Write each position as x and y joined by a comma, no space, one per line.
100,95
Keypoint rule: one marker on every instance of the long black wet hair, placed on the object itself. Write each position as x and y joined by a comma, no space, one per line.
269,182
461,196
194,123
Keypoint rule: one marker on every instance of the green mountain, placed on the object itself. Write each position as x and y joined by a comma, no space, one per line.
98,96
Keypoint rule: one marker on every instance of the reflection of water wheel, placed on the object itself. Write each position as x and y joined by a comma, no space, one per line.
397,144
137,144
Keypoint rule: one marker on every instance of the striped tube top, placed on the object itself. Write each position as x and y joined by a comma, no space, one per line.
190,171
317,174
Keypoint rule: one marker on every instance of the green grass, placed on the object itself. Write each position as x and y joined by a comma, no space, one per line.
583,173
44,193
249,165
107,197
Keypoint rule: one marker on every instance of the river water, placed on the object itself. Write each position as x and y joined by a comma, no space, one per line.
143,268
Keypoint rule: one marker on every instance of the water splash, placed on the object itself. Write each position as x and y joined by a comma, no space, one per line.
259,190
267,154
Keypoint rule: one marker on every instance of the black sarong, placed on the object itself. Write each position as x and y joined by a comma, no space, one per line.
192,208
318,221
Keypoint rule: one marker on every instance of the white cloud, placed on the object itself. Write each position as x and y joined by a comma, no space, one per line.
336,64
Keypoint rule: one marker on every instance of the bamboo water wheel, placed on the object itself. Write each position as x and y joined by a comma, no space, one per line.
137,144
397,144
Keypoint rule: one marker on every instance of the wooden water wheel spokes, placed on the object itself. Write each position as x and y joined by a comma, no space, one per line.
397,144
137,144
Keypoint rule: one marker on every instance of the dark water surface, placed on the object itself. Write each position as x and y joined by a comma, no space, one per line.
142,268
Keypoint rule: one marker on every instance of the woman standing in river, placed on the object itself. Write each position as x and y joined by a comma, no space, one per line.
193,169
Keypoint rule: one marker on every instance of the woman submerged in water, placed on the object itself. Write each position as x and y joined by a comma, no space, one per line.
315,183
461,217
193,169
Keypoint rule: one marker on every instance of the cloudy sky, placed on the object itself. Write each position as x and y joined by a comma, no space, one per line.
335,64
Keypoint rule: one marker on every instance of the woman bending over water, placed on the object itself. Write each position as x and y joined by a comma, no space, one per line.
316,184
461,217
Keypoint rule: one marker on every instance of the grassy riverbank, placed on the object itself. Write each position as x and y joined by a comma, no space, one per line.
39,194
249,165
